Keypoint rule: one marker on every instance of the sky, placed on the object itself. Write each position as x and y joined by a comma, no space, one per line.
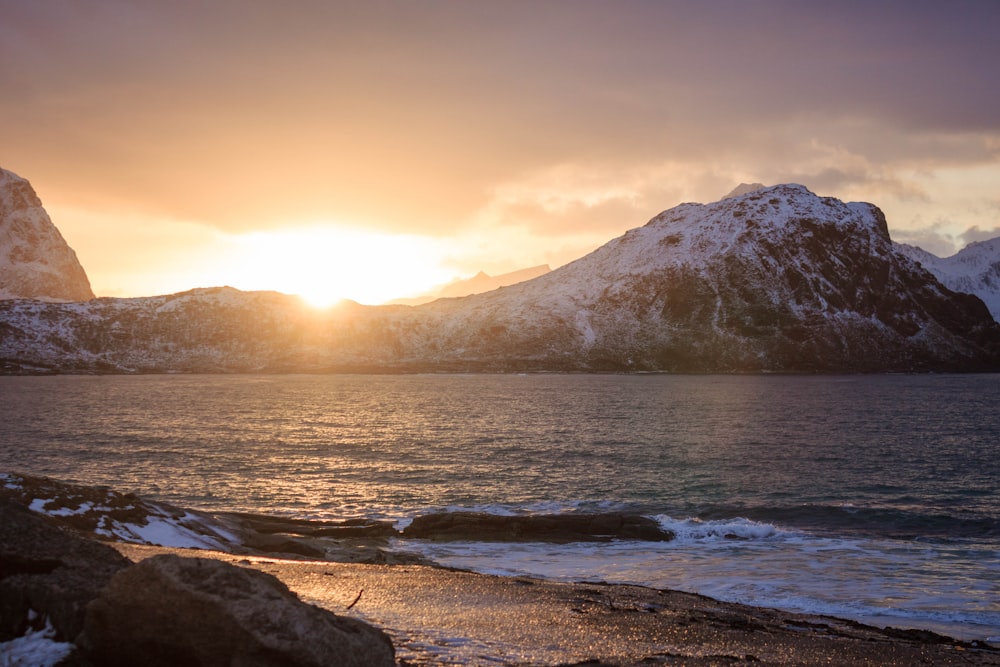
373,149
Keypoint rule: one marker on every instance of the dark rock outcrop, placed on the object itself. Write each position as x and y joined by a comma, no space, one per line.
169,610
49,572
166,610
482,527
270,525
35,260
351,540
105,514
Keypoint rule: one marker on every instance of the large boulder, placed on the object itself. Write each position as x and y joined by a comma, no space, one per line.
168,610
48,574
483,527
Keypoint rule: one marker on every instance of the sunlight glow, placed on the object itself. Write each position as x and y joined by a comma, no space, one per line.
327,263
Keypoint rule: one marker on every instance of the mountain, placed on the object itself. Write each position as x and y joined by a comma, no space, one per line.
975,270
775,280
744,189
481,282
35,260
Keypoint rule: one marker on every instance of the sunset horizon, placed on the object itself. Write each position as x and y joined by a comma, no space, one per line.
373,151
499,332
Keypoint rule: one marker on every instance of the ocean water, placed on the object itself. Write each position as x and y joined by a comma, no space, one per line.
875,498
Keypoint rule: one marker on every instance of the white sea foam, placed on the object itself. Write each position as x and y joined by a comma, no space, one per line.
696,530
738,560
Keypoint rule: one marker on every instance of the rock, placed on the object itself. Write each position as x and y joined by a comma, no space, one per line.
482,527
350,540
48,573
95,511
269,525
168,610
35,260
282,544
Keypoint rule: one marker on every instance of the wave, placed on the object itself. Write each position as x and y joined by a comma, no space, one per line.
739,522
883,522
697,530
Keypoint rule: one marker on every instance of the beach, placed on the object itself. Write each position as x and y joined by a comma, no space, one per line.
438,616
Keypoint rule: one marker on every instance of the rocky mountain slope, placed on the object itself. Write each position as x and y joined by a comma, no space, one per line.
35,260
776,279
975,270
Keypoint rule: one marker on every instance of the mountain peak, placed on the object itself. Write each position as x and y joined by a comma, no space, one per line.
35,260
744,188
775,279
975,269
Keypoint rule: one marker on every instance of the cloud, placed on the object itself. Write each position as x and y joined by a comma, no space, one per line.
940,239
974,234
935,239
556,125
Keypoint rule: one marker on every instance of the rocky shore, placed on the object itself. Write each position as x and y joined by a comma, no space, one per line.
93,577
69,600
437,616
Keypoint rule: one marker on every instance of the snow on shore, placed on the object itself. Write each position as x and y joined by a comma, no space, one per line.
122,517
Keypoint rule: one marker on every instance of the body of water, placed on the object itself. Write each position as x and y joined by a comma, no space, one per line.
867,497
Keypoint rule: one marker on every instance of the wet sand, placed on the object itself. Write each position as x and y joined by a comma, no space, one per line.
437,616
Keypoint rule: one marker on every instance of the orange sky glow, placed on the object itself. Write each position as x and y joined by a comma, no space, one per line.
375,150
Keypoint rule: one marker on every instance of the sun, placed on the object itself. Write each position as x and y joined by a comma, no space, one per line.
321,298
325,264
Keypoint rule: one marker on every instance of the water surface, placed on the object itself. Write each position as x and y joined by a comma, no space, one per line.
872,497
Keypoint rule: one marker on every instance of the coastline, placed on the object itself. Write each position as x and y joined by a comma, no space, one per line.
440,616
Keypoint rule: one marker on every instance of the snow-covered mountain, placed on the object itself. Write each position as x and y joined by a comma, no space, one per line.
975,270
35,260
777,279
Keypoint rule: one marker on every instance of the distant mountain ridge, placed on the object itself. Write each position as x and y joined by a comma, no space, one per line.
481,282
774,280
744,189
975,270
35,260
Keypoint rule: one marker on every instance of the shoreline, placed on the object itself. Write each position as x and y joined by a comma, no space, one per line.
443,616
439,615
